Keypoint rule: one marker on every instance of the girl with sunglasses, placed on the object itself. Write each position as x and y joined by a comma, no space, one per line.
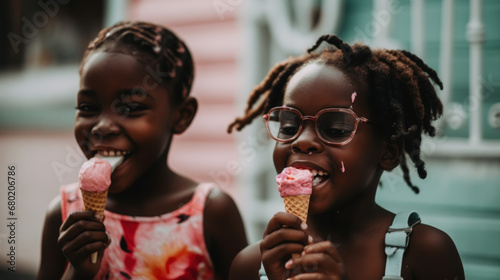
135,80
348,114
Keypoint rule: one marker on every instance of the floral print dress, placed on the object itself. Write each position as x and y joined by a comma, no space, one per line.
170,246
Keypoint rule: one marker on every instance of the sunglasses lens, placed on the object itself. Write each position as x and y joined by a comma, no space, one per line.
283,124
336,127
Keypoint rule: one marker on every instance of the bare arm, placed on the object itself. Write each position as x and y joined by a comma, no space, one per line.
246,265
433,255
53,262
224,231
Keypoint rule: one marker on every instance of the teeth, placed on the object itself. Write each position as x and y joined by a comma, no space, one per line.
319,173
112,153
319,176
316,181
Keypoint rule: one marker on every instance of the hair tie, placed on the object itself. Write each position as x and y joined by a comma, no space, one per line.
180,48
178,62
157,49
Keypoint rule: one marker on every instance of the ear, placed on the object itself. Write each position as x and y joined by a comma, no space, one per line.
391,155
186,112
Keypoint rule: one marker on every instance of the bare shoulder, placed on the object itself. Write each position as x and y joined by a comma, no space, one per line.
246,264
224,231
222,217
432,254
53,216
426,240
218,201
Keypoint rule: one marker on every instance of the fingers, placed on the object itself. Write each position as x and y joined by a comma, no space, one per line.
285,234
311,276
77,223
77,216
82,234
282,219
319,261
324,247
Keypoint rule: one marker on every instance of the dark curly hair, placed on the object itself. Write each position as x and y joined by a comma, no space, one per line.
153,45
400,89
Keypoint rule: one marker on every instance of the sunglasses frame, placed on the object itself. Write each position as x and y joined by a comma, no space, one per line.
357,119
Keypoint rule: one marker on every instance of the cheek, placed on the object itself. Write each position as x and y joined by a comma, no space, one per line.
150,135
81,133
363,160
280,156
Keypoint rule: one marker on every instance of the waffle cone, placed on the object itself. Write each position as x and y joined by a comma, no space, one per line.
95,201
297,205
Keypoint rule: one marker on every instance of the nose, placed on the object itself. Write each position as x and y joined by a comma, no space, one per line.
307,141
104,127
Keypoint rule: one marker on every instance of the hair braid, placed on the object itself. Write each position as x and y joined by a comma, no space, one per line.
420,63
406,174
335,41
406,75
271,89
434,107
265,85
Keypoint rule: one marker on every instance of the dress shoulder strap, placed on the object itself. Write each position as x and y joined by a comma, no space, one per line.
396,241
71,199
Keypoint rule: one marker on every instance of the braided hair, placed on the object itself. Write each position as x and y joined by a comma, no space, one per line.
152,45
399,82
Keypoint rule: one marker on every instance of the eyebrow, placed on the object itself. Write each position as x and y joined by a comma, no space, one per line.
86,92
121,93
135,92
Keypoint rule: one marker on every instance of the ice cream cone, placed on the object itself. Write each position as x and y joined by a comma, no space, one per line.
95,202
297,205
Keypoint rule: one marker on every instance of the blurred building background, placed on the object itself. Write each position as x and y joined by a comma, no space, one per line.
234,44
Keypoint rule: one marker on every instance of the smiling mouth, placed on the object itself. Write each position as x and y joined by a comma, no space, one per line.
320,176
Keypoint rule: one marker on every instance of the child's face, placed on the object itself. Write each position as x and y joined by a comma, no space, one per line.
354,167
120,109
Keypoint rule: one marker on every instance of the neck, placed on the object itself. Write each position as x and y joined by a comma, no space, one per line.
152,183
356,217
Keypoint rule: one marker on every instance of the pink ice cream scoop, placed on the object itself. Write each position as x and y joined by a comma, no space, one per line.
292,181
95,175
